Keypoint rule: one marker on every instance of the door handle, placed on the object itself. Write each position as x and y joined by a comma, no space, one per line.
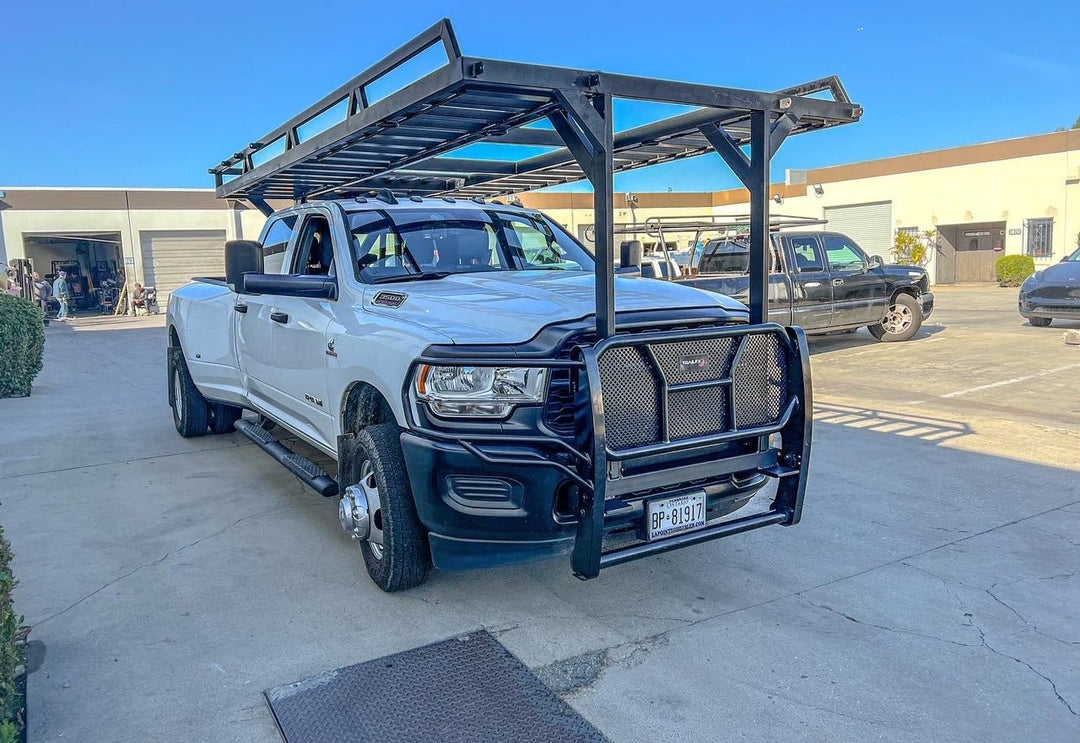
837,282
280,317
241,308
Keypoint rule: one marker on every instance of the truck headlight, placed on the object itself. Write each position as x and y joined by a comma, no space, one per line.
478,391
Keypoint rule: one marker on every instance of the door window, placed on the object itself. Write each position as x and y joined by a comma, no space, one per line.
807,252
844,254
275,243
314,254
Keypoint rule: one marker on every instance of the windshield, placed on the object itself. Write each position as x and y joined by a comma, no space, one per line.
1075,256
400,245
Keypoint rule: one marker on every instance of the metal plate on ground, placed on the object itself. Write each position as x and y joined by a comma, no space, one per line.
468,688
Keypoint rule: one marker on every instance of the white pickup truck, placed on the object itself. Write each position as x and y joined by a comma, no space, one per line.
490,391
361,326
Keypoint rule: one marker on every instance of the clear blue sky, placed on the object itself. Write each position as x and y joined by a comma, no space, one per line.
118,94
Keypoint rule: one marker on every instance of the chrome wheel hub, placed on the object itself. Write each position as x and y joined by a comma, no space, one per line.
358,511
898,320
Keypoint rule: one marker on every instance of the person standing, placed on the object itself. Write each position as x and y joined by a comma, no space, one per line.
62,292
42,292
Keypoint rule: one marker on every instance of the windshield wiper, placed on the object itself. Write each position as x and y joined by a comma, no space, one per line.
429,275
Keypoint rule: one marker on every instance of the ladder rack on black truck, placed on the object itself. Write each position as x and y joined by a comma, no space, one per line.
404,143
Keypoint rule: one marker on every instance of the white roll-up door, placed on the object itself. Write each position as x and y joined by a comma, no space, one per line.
870,225
171,258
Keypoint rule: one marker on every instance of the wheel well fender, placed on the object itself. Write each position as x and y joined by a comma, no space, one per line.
364,405
911,291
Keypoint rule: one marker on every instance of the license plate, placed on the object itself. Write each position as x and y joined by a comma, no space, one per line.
675,515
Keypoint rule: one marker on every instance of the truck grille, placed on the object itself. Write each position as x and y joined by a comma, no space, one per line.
633,388
707,387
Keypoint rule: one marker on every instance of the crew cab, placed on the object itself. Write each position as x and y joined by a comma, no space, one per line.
429,347
821,281
482,389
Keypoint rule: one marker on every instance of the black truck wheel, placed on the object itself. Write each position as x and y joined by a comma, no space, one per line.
396,551
222,417
191,413
901,322
1040,322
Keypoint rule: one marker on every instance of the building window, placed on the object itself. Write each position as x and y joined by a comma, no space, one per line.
913,231
1040,237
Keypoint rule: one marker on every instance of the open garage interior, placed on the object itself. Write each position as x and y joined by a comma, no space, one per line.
93,261
171,257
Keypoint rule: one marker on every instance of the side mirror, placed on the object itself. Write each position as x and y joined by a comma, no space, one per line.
241,257
630,256
875,262
291,285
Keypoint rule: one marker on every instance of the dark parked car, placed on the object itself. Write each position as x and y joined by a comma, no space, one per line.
824,282
1053,293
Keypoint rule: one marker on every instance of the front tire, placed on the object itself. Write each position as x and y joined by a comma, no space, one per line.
901,322
376,463
1040,322
191,413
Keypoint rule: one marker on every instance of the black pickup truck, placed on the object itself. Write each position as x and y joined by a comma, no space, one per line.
822,281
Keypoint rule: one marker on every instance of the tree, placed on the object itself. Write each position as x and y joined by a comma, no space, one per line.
1076,124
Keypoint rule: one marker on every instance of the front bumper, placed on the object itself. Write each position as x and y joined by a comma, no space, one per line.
496,507
1048,307
927,302
517,491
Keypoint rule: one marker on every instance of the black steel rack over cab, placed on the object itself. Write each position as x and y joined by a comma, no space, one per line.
659,410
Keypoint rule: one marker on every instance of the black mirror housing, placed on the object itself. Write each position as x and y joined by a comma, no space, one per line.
291,285
876,262
241,257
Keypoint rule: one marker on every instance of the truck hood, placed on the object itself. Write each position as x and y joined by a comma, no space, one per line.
513,306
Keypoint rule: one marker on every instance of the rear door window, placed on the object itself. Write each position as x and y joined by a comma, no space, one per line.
807,251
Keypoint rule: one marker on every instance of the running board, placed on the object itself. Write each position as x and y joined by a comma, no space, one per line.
312,474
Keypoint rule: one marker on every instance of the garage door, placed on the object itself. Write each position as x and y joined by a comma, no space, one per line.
870,225
171,258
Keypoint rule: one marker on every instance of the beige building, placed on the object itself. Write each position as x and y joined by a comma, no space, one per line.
981,201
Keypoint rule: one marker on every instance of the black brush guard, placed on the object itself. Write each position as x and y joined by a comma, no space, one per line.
609,476
744,421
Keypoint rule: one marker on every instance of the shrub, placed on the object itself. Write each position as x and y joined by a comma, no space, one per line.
11,655
1011,270
913,249
22,345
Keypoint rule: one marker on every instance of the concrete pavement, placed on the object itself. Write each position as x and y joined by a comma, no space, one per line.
929,594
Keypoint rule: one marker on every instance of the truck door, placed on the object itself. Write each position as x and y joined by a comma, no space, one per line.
254,328
858,291
299,336
812,291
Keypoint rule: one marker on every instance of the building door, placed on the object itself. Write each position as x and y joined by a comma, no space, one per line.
977,246
172,257
869,225
945,256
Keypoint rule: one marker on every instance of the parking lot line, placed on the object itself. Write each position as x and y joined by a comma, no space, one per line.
1014,380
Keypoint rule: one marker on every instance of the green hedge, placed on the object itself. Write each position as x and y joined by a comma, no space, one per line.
1013,269
11,654
22,345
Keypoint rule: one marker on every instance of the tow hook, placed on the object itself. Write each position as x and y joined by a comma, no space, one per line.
355,512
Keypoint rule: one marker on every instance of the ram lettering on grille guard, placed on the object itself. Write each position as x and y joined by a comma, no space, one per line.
656,396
